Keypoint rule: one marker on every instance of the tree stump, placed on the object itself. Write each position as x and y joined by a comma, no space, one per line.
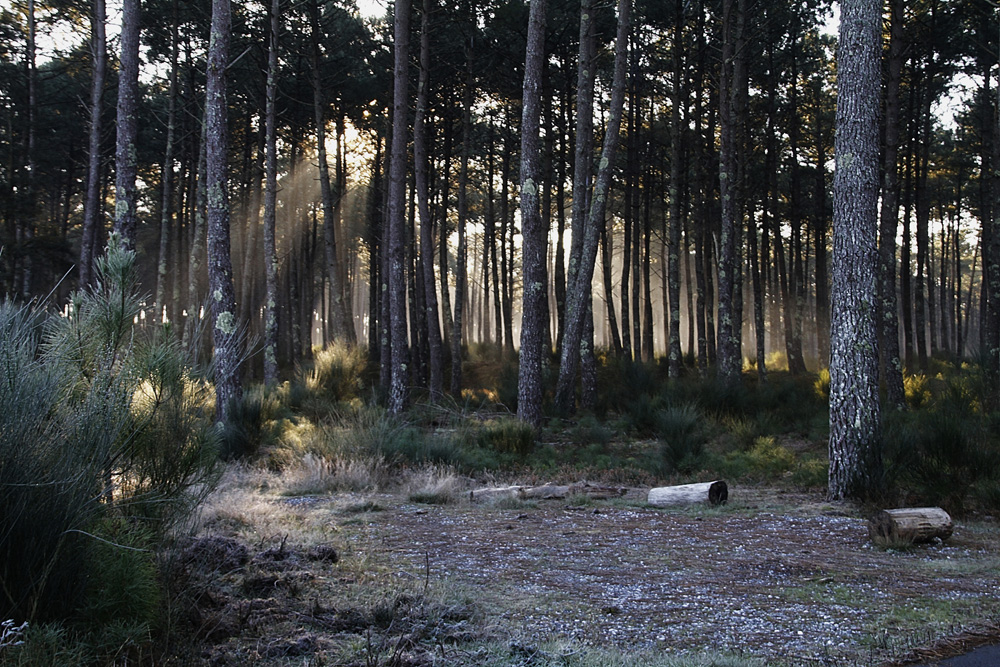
713,493
913,525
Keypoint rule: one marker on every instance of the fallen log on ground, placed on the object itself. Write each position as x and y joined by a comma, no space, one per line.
494,493
548,492
713,493
913,525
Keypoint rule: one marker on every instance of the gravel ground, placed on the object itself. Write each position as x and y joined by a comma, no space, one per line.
786,578
800,584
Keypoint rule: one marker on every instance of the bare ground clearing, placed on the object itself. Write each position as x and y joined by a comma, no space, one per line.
780,578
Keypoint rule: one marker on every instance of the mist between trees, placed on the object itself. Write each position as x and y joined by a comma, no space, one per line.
715,234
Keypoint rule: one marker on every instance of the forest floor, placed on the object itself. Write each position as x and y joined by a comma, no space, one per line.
771,578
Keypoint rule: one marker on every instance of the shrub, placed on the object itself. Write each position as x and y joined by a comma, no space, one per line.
940,455
643,415
89,411
682,438
769,458
589,431
121,575
811,474
337,371
916,389
507,435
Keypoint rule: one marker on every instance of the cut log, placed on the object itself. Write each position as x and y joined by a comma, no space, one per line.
548,492
713,493
544,492
495,493
912,525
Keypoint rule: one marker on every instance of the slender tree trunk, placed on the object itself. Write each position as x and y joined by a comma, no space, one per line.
398,391
674,235
579,294
270,203
225,329
647,289
758,299
436,355
820,242
855,454
196,257
922,290
534,229
891,364
461,268
905,251
93,216
26,227
126,153
609,295
729,359
339,318
167,173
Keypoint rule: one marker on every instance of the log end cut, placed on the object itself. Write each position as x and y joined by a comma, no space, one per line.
714,493
914,525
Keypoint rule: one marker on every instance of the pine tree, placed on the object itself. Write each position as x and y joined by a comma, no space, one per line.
855,454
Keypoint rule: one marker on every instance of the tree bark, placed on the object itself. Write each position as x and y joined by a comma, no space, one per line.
270,203
342,328
461,268
126,152
167,173
92,213
579,295
729,357
396,279
674,235
435,353
912,525
855,454
890,362
225,329
533,229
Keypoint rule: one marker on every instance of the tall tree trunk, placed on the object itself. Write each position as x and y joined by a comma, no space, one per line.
674,235
855,455
647,289
225,329
445,230
729,356
905,251
580,293
819,242
533,228
436,355
26,226
757,279
629,277
890,362
398,390
507,231
126,152
93,216
922,290
461,268
167,173
341,327
270,203
196,256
